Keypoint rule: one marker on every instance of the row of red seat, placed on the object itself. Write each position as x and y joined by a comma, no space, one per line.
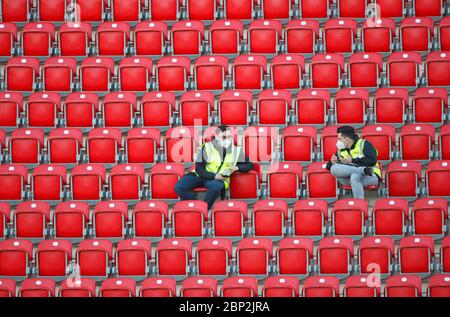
245,286
229,218
173,10
214,257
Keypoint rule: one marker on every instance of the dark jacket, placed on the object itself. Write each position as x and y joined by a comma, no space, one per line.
369,151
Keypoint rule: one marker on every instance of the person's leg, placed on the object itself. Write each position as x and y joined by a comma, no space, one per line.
357,186
343,180
370,180
185,185
215,188
355,176
344,170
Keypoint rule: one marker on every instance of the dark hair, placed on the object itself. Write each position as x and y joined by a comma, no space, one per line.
347,131
222,128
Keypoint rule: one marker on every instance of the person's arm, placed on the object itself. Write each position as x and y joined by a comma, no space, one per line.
244,164
329,164
370,156
200,166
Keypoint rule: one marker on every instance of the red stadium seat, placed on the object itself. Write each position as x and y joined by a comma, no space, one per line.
416,34
31,219
301,36
403,179
7,287
126,181
165,10
135,74
445,255
21,73
240,286
378,35
429,216
276,9
260,143
109,219
376,254
163,178
118,109
321,286
320,183
294,256
87,182
365,69
173,256
180,144
37,38
326,70
213,256
70,220
150,218
81,287
225,37
273,107
199,287
437,174
37,287
74,38
130,10
339,35
351,106
158,287
187,37
299,143
64,145
284,180
133,256
210,72
403,69
438,68
287,71
239,9
92,10
444,142
382,138
439,286
268,218
189,218
416,142
202,10
96,74
53,257
59,74
228,218
5,213
312,106
150,38
246,185
103,145
415,254
112,38
52,10
429,105
352,8
313,9
360,286
196,108
389,216
428,8
157,108
13,179
335,255
25,145
276,286
390,105
444,32
309,218
142,145
118,287
16,10
249,72
42,109
48,181
8,37
16,256
172,73
253,256
391,8
235,107
264,36
80,109
349,217
11,105
94,256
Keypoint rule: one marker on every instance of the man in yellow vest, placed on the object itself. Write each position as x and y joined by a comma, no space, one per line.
355,162
215,163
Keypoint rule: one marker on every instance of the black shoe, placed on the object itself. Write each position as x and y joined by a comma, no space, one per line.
367,171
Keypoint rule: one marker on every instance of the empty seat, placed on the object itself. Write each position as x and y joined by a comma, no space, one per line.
150,218
135,74
349,217
284,180
37,287
92,10
382,137
260,143
94,256
389,216
96,74
320,183
52,10
118,287
403,286
351,105
403,179
281,286
428,8
163,178
249,72
429,216
70,220
130,10
437,68
391,8
445,255
11,105
276,9
118,109
436,178
210,72
264,36
199,287
268,218
313,9
16,11
196,108
7,287
439,286
225,37
213,256
59,74
312,106
390,105
8,37
157,109
416,142
403,69
377,35
172,73
165,10
444,32
87,181
361,286
335,255
339,35
64,145
53,257
80,109
173,256
202,10
82,287
109,219
42,109
31,219
352,8
444,142
180,144
16,256
326,70
133,257
126,181
142,145
246,185
240,286
150,38
103,145
273,107
239,9
158,287
254,255
74,38
429,105
228,218
189,218
365,69
187,37
287,71
416,34
376,254
37,38
321,286
13,179
294,255
234,107
21,73
415,254
301,36
48,181
309,217
299,143
112,38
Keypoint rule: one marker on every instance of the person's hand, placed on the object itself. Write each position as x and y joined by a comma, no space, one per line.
219,177
334,159
346,160
234,168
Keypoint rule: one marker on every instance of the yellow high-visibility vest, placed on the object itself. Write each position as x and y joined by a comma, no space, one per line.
357,152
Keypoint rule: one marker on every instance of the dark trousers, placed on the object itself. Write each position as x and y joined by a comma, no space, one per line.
186,184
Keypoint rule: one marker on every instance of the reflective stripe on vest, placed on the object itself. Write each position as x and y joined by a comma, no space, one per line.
357,152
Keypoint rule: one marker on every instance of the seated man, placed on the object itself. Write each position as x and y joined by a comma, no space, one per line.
215,163
355,162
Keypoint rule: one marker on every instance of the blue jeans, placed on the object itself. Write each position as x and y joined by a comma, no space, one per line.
186,184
